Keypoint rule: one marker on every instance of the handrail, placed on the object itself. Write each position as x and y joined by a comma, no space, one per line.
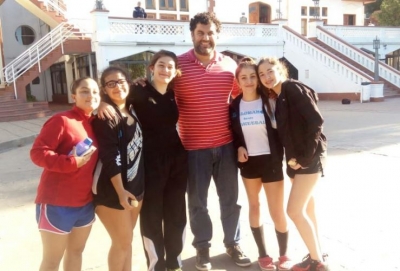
56,5
16,68
331,61
385,71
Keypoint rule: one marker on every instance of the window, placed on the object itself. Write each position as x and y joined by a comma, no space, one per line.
36,81
151,16
314,11
325,12
303,11
150,4
184,17
184,5
167,4
304,27
168,17
25,35
349,19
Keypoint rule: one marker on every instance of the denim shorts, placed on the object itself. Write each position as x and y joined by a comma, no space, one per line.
261,166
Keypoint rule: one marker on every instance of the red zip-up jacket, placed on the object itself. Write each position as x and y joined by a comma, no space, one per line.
62,183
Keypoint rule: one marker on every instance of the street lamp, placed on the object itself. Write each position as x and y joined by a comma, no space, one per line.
278,11
376,45
316,9
99,5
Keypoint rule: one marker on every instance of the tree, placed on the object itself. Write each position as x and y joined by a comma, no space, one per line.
390,13
370,8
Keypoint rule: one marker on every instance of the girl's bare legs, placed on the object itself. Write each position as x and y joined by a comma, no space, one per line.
75,246
311,214
275,198
298,207
119,225
54,246
253,188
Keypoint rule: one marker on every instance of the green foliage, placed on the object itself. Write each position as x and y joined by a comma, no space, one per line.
30,97
370,8
390,13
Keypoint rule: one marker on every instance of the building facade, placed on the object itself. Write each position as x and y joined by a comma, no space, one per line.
275,27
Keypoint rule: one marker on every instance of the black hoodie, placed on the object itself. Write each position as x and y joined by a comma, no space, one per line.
139,12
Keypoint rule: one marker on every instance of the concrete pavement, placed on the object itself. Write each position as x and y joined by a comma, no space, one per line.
358,202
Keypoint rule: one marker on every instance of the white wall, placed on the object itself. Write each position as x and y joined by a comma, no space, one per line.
13,49
9,23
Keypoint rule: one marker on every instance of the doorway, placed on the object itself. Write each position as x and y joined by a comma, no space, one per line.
259,13
349,19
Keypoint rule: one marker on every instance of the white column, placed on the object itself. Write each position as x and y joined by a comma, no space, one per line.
101,34
70,78
312,27
90,65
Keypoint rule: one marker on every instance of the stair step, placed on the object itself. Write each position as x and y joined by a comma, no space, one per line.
9,98
26,110
21,104
388,87
25,116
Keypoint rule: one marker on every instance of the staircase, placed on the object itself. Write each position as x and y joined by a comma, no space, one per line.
52,12
17,109
70,46
389,89
64,39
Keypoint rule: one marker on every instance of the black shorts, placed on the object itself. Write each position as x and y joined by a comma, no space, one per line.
317,165
261,166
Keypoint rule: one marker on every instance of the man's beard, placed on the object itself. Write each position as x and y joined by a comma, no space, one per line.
199,49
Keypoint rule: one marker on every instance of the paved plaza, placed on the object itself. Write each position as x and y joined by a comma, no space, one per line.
358,199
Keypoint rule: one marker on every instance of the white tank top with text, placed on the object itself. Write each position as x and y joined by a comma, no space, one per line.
254,130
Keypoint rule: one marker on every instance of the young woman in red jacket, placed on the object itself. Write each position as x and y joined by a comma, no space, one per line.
64,209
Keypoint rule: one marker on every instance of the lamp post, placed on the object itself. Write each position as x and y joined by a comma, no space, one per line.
376,46
99,5
278,11
316,9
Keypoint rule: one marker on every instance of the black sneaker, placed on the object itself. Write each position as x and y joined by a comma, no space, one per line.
203,259
311,265
238,256
307,258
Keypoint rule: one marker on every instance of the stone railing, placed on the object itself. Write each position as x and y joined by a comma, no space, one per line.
364,34
324,58
158,31
362,58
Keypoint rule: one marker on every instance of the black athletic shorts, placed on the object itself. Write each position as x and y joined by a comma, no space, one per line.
317,165
261,166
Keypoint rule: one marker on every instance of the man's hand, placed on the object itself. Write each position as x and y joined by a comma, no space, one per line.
242,155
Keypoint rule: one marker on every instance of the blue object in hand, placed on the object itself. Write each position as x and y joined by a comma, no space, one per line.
82,146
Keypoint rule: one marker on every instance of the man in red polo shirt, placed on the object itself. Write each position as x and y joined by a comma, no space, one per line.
202,94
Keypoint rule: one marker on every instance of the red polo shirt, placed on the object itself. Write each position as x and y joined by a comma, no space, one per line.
202,94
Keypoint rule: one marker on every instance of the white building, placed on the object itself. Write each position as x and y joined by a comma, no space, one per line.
308,34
